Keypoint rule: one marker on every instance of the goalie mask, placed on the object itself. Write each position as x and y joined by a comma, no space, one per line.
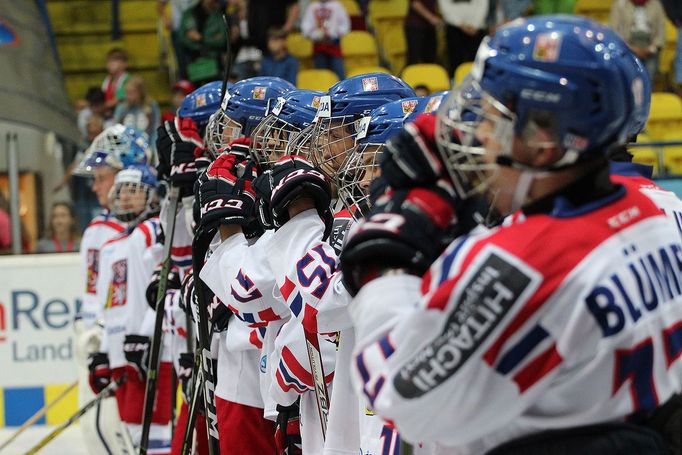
338,117
133,197
287,116
118,147
362,163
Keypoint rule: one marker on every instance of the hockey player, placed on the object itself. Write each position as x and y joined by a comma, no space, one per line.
112,150
304,263
239,403
127,263
554,328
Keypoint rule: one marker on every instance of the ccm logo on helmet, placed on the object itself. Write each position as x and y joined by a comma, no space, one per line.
540,95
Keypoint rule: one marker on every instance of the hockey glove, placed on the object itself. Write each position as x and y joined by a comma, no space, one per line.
406,230
100,373
262,185
219,314
176,145
294,177
187,294
288,430
240,148
411,157
136,351
153,286
185,375
224,198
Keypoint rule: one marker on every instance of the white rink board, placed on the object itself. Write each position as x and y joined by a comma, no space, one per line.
39,297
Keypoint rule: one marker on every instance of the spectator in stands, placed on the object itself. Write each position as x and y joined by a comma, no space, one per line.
465,28
95,108
422,90
180,90
503,11
325,23
262,15
554,6
62,234
139,110
172,17
673,9
202,36
421,23
114,84
641,23
279,62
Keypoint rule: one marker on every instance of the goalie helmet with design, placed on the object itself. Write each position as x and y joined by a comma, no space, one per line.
133,198
242,110
340,111
286,117
362,163
117,146
559,82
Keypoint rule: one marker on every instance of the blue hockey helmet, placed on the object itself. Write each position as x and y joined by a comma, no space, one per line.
562,77
344,105
133,198
118,147
286,117
202,102
361,165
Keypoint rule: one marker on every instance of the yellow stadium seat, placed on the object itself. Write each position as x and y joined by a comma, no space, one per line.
595,9
645,155
667,54
665,115
359,49
316,79
301,48
395,49
431,75
386,16
366,69
672,156
462,72
352,7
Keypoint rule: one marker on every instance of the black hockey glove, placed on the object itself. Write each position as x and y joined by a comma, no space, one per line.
262,185
225,198
218,313
294,177
176,144
136,350
411,157
240,148
100,373
288,430
186,375
153,286
406,229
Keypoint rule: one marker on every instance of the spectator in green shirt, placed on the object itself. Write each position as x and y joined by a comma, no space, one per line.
202,32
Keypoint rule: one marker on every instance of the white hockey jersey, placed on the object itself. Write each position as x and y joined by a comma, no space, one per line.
550,321
100,230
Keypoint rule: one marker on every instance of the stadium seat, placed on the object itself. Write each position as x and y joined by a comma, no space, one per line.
316,79
359,49
431,75
672,156
301,48
352,7
665,115
78,54
386,16
645,155
594,9
395,49
366,69
462,72
667,54
69,17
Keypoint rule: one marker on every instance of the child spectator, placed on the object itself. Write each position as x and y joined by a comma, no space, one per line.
180,90
95,108
139,110
62,234
279,63
326,23
422,90
641,23
114,84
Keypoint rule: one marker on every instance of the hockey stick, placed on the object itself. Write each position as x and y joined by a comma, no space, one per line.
193,410
316,368
41,412
202,240
106,392
157,339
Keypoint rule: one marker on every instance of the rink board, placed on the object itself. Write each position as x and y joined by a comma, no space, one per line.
39,297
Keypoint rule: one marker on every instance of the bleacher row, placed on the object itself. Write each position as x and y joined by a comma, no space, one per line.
83,29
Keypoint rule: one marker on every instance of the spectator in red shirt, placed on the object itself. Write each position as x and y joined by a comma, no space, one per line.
114,84
180,90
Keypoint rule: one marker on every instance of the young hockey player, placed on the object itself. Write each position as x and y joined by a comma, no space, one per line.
113,149
554,328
